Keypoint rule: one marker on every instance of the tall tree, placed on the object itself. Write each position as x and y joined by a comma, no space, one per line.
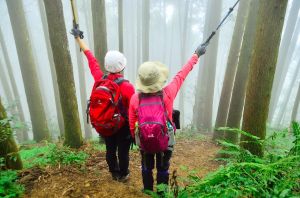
281,68
183,35
138,33
83,95
28,70
284,70
268,33
5,84
52,68
13,96
206,76
120,24
287,95
296,105
145,29
64,72
99,28
239,88
231,67
8,146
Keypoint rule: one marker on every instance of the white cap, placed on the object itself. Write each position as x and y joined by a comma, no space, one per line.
114,61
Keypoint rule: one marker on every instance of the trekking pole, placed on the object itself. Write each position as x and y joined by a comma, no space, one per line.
75,18
221,23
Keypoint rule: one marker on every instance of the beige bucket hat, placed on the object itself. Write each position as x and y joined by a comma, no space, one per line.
151,77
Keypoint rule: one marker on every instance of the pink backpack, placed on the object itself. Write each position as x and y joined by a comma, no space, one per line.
152,122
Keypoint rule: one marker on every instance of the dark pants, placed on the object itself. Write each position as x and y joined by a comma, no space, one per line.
119,142
162,166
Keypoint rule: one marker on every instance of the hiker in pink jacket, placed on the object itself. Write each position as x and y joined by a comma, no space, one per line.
150,116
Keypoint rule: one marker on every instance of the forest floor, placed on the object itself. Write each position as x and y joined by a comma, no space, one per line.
93,179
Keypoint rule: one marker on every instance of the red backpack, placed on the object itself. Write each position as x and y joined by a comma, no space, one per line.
105,107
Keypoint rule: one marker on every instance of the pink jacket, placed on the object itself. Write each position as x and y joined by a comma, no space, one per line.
169,93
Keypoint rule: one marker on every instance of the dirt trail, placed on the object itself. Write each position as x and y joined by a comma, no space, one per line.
95,181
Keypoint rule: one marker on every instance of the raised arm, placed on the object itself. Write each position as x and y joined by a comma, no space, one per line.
83,46
173,87
93,63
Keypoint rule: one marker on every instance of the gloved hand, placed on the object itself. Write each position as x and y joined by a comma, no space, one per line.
76,32
201,49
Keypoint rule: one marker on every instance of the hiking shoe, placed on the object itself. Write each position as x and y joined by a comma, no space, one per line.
115,176
124,178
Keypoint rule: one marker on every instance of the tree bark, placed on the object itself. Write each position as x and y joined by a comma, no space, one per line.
262,68
28,70
206,76
286,42
8,147
64,72
145,29
231,68
99,28
52,69
239,88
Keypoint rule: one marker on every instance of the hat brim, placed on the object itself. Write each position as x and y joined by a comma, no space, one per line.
164,73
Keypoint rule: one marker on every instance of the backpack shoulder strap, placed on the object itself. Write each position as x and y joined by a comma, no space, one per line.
105,76
120,80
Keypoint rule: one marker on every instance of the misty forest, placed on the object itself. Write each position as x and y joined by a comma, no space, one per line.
239,133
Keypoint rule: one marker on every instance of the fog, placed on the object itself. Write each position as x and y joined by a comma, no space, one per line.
166,42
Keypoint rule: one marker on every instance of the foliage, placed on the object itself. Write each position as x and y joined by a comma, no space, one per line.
64,155
189,132
52,154
8,185
274,175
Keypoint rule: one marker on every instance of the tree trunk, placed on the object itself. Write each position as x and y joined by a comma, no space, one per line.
282,108
239,88
52,69
28,70
99,28
230,72
283,55
296,105
64,72
8,147
262,69
4,82
21,134
145,29
120,24
20,110
138,33
284,71
183,36
83,95
206,76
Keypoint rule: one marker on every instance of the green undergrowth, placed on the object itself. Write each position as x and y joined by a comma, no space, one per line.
189,133
8,186
277,174
51,154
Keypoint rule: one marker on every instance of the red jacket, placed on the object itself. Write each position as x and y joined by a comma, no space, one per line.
169,93
127,89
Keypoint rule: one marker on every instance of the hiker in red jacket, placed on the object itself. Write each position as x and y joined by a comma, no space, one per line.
119,142
150,116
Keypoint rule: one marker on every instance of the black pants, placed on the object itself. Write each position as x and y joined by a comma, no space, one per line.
162,166
119,143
